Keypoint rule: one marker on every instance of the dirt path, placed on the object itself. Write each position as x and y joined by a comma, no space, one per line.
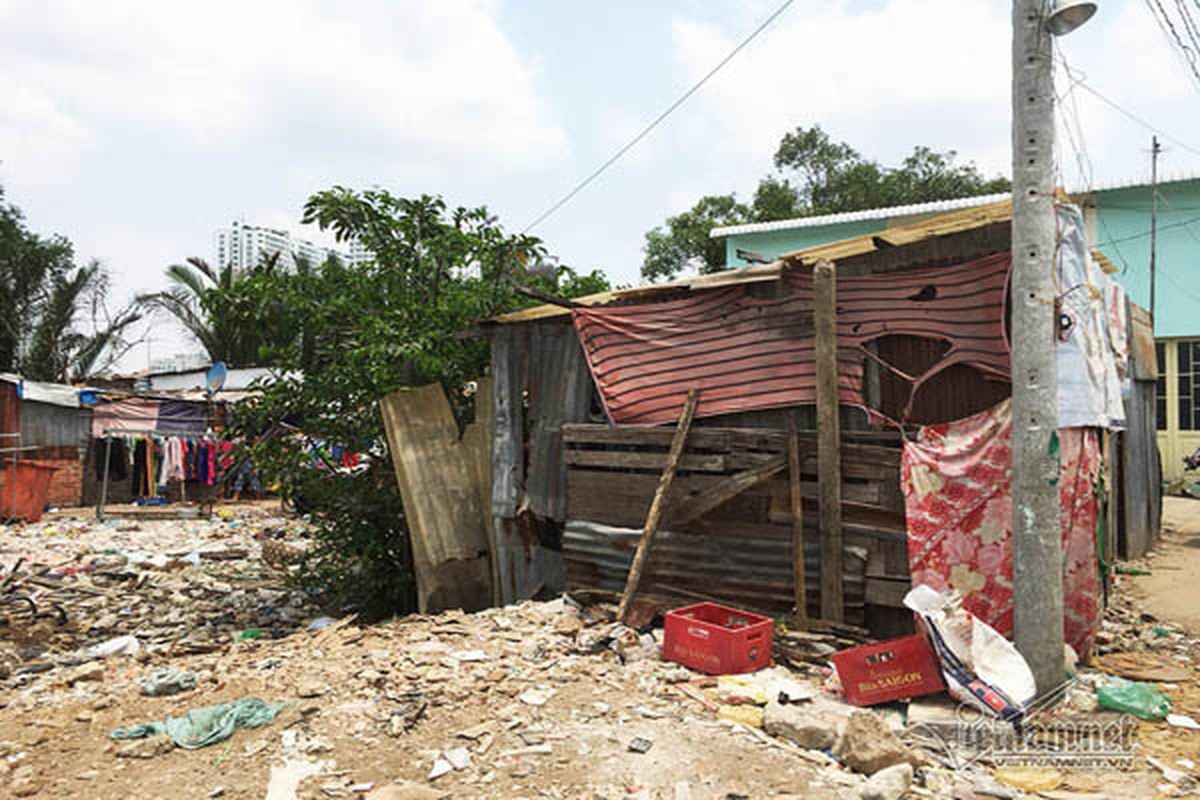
1172,592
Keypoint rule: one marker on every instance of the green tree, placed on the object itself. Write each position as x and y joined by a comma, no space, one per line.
685,240
830,177
406,318
45,330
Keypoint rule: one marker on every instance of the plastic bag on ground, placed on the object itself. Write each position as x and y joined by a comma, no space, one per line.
981,667
1142,700
163,681
117,646
201,727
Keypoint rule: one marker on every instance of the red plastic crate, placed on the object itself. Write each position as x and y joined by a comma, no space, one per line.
718,640
891,670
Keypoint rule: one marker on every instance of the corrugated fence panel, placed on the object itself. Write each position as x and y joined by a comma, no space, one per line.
45,425
560,391
1141,473
751,572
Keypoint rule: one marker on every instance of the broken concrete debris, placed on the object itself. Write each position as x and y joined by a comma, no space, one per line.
541,694
889,783
868,745
800,725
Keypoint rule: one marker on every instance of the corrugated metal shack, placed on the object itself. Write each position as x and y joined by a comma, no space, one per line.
47,425
912,314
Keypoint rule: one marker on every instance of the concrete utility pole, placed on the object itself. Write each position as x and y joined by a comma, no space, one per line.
1037,540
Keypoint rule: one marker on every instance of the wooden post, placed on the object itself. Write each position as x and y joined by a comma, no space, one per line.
829,457
801,589
103,494
657,504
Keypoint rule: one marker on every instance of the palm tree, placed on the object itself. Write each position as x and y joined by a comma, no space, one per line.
55,350
42,293
191,300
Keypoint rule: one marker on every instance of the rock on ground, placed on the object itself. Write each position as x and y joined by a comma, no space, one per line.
800,725
888,784
150,747
867,745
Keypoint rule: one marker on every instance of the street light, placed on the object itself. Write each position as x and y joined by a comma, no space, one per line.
1068,15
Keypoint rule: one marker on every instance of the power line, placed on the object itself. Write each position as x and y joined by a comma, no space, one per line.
1082,83
1082,159
1144,234
1188,23
670,109
1166,24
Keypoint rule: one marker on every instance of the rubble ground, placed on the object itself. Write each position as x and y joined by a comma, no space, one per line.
523,701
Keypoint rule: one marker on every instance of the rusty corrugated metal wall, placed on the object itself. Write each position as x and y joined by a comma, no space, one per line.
746,352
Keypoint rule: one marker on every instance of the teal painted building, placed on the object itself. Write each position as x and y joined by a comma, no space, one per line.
1118,223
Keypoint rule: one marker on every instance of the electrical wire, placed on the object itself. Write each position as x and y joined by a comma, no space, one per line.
1144,234
1081,82
1082,159
1165,24
1189,24
654,124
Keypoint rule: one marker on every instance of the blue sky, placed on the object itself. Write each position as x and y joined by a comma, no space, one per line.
136,128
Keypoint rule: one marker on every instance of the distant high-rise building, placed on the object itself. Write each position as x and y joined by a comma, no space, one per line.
358,253
245,246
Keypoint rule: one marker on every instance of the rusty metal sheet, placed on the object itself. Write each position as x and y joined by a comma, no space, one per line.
921,230
751,572
1141,344
10,414
747,353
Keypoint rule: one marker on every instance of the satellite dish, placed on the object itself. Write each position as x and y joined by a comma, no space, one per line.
214,381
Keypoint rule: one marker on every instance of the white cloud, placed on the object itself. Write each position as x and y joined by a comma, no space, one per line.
48,140
908,72
380,82
892,74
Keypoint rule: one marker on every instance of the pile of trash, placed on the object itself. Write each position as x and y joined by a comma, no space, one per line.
74,589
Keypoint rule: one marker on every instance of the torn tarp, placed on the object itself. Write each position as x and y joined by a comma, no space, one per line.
201,727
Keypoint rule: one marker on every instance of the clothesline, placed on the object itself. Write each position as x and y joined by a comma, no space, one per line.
153,460
114,432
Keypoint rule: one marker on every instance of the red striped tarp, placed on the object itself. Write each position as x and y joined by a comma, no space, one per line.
747,353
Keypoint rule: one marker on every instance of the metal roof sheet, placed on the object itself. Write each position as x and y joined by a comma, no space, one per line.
934,207
751,274
952,222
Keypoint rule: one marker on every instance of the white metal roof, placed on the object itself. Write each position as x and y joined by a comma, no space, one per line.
933,207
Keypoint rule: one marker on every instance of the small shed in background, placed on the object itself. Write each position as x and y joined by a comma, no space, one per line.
50,426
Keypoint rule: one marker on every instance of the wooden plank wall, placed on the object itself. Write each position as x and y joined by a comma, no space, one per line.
741,551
